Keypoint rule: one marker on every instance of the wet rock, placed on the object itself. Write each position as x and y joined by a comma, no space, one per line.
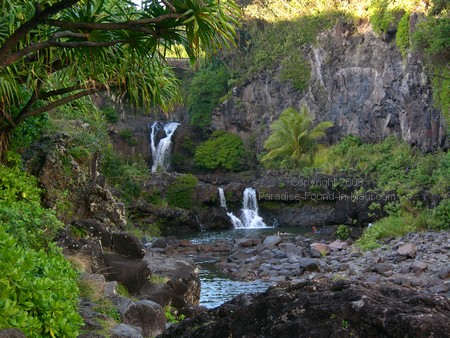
126,331
147,315
408,250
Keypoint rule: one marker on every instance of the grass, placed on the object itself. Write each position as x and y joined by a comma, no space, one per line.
158,279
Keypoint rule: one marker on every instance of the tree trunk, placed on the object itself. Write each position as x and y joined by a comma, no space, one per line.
5,137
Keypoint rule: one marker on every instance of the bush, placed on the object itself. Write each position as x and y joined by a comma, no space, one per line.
128,136
440,216
222,151
402,37
179,193
205,91
16,186
38,289
343,232
110,114
297,70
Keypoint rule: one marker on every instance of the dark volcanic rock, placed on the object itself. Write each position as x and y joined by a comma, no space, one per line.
132,273
323,309
127,245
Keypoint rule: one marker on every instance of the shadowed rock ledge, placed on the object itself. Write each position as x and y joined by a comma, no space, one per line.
323,309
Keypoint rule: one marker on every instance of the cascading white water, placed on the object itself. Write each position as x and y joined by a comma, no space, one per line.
161,152
223,201
249,212
249,215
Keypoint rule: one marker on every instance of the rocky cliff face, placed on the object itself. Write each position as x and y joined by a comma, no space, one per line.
358,81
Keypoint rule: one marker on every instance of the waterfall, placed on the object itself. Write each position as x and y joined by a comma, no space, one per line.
249,212
249,215
161,152
223,201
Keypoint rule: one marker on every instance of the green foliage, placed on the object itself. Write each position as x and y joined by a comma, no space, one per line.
381,17
128,135
157,279
433,36
293,138
172,315
205,91
402,37
221,151
180,192
126,174
392,226
28,132
110,114
16,186
343,232
440,216
297,70
38,289
123,62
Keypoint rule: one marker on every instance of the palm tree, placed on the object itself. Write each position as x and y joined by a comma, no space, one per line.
292,136
55,51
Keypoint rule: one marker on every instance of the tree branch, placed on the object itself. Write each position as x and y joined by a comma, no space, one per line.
59,102
111,25
39,16
47,44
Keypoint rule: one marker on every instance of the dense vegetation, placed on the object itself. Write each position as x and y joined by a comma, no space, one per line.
221,151
397,168
35,295
293,139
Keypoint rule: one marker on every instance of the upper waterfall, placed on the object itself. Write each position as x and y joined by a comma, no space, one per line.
161,150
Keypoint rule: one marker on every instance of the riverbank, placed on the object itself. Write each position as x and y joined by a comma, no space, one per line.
418,260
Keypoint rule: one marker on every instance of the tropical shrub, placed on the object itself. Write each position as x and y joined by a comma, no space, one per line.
180,192
38,288
293,138
222,151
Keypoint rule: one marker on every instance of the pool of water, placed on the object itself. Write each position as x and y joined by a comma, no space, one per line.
206,237
217,288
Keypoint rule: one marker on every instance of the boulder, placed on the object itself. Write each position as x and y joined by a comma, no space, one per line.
127,245
324,249
182,288
338,245
408,250
147,315
419,267
133,273
272,240
444,273
126,331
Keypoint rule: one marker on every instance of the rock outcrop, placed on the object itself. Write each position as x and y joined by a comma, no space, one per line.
358,81
323,309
